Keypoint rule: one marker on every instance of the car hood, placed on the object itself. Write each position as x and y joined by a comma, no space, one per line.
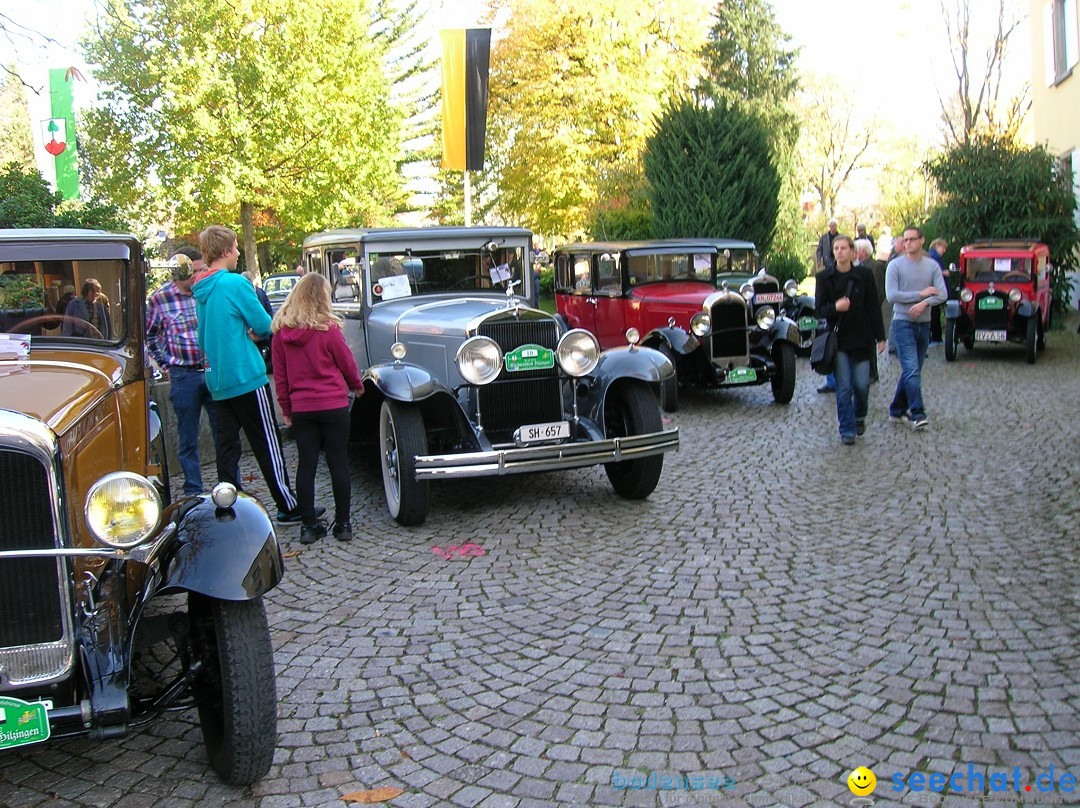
438,315
688,294
56,392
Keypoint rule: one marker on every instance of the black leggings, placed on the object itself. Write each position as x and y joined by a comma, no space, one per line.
326,431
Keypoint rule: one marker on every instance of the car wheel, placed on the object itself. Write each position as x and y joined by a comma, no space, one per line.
233,664
1032,339
669,390
630,409
401,439
783,381
1040,340
969,343
950,340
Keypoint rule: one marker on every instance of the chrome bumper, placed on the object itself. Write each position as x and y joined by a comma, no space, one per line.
545,458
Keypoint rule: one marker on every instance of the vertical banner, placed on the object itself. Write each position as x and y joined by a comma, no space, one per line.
58,133
466,58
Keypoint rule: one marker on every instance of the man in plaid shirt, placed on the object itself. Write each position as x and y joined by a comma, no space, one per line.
173,342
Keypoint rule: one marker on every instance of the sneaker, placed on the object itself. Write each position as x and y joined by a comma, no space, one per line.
847,440
293,517
920,423
935,344
826,389
309,534
860,426
899,419
343,530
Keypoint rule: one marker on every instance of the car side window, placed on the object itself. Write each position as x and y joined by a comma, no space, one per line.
609,279
582,281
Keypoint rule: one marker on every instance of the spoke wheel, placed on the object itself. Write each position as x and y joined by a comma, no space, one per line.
234,685
401,439
631,409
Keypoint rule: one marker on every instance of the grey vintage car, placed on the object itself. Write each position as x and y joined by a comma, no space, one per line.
463,378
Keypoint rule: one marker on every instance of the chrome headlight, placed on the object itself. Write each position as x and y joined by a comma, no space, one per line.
747,291
1015,295
633,336
578,352
791,289
122,509
224,495
700,324
766,317
966,295
479,360
398,350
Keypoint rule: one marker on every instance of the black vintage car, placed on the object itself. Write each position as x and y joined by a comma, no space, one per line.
116,604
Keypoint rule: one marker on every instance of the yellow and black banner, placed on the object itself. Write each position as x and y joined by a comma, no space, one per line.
466,54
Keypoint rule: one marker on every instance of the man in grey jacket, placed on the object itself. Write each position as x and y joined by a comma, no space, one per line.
913,283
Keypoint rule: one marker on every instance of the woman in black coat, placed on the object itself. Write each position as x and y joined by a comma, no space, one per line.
847,297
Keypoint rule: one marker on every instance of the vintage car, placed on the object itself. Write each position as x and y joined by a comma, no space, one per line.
463,378
1003,295
116,604
719,328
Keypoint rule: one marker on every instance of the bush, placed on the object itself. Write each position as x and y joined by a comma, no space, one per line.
786,266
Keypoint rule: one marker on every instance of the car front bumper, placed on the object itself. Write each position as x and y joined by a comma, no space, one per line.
548,457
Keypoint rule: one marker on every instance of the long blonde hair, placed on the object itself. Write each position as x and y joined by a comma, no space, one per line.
307,306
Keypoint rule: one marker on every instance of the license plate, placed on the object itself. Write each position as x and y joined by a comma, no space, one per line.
22,722
991,304
539,433
988,335
769,297
807,323
742,375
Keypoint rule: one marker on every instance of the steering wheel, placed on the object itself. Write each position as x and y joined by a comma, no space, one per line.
1016,277
55,319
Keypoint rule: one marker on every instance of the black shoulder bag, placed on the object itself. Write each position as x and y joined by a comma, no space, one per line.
823,351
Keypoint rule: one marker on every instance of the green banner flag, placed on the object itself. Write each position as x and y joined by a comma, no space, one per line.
58,133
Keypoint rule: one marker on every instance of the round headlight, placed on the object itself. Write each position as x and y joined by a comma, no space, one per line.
791,289
224,495
965,295
1015,295
700,324
398,350
479,360
766,317
747,291
122,509
578,352
633,336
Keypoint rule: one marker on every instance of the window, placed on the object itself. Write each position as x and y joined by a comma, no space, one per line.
1059,40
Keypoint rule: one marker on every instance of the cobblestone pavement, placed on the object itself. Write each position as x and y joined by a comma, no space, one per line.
782,610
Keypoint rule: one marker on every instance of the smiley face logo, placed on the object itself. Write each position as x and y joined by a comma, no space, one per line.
862,781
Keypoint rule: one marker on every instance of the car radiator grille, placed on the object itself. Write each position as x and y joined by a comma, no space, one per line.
994,319
29,587
522,397
728,330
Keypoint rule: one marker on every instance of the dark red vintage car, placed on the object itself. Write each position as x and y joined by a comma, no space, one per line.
1004,296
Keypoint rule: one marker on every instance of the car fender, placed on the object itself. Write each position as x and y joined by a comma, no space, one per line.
681,342
403,382
618,364
952,309
785,328
225,553
1026,308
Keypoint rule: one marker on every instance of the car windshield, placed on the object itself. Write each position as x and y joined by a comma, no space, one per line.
420,272
670,267
983,269
739,261
279,285
65,300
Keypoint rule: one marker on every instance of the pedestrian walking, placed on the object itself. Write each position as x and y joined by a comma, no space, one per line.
314,371
937,251
864,256
823,258
847,298
230,321
913,283
172,340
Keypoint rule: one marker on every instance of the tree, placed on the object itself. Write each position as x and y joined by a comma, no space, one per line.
995,188
16,140
27,201
275,113
711,172
574,89
976,107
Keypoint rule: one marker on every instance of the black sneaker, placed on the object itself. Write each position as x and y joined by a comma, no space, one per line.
309,534
860,426
293,517
343,530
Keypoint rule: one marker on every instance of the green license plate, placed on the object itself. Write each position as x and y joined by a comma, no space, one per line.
991,304
530,357
742,376
807,323
22,722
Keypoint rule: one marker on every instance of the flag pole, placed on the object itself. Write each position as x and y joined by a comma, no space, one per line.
468,201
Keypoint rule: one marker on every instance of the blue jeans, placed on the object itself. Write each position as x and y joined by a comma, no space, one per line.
852,391
911,340
189,395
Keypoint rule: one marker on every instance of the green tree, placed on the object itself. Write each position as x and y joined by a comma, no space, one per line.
992,187
712,173
27,201
273,113
16,140
574,89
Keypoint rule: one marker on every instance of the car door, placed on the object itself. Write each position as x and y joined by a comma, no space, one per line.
609,308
